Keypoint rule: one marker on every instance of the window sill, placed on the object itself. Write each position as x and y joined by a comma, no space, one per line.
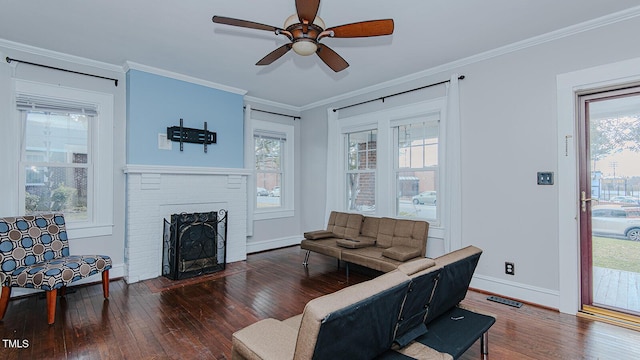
78,231
273,214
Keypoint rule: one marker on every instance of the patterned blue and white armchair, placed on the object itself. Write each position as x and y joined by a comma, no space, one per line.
34,253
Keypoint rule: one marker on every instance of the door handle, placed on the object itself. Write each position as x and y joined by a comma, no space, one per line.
583,200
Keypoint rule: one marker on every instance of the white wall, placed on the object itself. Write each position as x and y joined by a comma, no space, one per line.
280,232
509,132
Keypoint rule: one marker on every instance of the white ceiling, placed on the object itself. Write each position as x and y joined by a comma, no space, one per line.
179,36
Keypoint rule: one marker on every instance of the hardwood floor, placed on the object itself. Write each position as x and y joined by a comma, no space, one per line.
194,318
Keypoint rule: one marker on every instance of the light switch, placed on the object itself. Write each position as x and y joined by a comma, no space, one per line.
545,178
163,142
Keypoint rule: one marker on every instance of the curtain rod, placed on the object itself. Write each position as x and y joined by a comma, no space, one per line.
9,60
274,113
461,77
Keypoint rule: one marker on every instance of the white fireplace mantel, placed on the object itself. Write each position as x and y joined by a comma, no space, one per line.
156,192
184,170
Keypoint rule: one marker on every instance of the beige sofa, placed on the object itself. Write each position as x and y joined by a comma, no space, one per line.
378,243
379,318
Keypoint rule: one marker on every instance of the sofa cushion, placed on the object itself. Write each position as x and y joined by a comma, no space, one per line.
318,234
355,243
415,266
401,253
323,246
370,257
266,339
411,233
346,225
385,232
370,226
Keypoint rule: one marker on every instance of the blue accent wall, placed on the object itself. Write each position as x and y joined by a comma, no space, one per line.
156,102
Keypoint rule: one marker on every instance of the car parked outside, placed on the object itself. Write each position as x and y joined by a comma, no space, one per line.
275,191
624,200
425,197
262,191
616,220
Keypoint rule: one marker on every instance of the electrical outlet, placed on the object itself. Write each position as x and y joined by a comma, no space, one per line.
509,268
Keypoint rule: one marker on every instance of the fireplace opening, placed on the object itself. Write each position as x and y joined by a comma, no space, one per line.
194,244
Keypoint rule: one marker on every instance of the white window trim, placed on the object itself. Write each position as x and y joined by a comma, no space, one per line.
287,196
384,121
100,222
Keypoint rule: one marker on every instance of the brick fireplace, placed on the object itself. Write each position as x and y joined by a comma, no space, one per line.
154,193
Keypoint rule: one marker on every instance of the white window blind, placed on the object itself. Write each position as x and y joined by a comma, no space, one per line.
269,135
36,103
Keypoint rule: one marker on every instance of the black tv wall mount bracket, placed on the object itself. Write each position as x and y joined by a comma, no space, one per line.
189,135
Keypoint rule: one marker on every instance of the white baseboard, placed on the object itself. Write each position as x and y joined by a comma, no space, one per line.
531,294
253,247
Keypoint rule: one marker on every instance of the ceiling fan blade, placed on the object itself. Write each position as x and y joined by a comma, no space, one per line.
331,58
363,29
274,55
243,23
307,10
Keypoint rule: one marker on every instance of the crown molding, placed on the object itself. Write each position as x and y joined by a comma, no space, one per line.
517,46
11,45
270,103
130,65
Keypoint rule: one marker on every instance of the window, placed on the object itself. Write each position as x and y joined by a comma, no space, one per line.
66,155
416,168
56,162
361,170
391,163
273,146
269,168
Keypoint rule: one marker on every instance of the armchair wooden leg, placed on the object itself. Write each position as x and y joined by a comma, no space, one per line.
4,300
51,305
105,283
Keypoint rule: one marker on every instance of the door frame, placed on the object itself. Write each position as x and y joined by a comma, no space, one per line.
568,85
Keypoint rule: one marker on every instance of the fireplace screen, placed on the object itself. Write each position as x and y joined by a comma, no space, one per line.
194,244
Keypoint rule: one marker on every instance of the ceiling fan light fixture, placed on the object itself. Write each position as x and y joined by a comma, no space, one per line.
304,37
305,47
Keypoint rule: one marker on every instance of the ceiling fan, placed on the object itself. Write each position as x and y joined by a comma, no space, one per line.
305,30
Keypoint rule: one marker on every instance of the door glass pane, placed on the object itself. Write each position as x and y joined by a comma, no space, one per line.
614,133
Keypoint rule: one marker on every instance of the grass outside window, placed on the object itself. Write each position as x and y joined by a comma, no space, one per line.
618,254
